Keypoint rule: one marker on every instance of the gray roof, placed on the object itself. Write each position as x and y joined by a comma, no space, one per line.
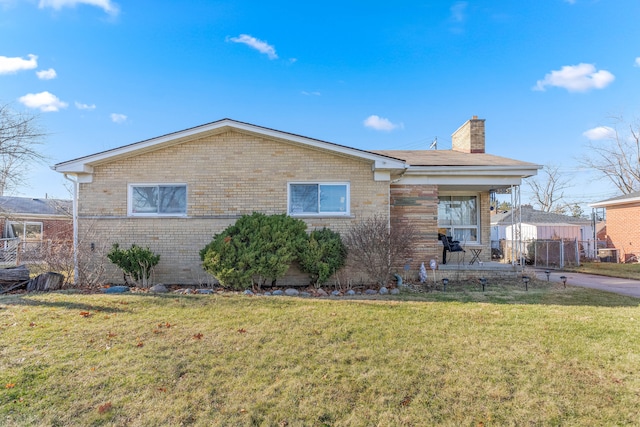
532,216
31,206
625,198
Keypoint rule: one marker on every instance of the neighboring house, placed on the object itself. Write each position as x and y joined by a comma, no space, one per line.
28,223
174,192
623,225
540,225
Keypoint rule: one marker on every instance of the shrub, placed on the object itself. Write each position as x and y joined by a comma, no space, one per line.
137,263
323,255
255,249
378,249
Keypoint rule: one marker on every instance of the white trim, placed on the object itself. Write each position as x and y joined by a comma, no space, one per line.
24,228
130,187
347,213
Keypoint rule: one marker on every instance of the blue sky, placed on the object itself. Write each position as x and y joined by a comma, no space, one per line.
546,75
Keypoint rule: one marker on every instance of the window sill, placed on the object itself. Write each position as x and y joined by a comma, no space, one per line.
345,216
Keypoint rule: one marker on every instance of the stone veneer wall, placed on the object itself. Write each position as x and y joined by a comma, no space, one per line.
227,175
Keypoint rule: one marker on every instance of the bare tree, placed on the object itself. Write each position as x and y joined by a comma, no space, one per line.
617,157
20,138
377,249
548,190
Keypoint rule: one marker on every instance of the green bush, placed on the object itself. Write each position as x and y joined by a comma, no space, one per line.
323,255
255,249
137,263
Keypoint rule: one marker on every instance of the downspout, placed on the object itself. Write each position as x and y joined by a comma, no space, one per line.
75,228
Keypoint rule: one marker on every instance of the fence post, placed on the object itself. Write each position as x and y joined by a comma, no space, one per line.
561,253
577,253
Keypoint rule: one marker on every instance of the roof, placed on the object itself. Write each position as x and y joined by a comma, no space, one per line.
84,165
536,217
451,158
620,200
449,169
31,206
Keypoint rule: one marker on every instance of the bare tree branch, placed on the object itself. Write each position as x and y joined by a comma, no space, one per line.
617,158
20,140
548,190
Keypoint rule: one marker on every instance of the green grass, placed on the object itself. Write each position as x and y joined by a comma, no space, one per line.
625,271
548,356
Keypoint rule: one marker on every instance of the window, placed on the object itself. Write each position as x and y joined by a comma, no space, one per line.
319,199
458,217
26,231
157,200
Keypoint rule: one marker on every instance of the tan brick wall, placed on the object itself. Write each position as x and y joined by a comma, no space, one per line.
623,229
470,137
227,175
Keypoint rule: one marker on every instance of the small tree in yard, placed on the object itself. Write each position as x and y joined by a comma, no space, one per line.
137,263
323,255
256,248
378,248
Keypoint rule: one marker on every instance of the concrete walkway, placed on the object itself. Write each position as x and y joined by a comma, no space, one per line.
603,283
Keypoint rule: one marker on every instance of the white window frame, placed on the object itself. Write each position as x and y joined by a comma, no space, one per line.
156,214
477,226
24,229
347,212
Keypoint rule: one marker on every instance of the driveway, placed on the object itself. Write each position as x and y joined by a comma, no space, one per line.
610,284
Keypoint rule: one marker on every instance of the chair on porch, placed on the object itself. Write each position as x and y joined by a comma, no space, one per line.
449,245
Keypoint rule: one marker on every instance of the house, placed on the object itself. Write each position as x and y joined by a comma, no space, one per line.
540,225
172,193
623,225
29,223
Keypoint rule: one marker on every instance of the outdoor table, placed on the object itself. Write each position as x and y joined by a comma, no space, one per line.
475,257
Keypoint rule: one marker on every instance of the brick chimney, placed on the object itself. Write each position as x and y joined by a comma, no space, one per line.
469,138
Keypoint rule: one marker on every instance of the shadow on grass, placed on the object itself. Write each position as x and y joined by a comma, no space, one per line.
29,300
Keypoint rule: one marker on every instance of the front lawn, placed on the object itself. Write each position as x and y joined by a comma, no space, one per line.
625,271
548,356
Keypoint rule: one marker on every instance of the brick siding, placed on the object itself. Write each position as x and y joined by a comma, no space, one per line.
623,229
227,175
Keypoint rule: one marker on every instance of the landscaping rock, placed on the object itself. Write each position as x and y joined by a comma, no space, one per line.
370,292
278,292
267,294
395,291
336,293
384,291
116,290
351,292
322,293
205,291
291,292
159,289
248,292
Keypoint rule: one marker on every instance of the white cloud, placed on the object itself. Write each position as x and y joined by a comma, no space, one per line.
600,133
637,63
13,65
44,101
118,118
47,74
380,123
570,1
81,106
315,93
458,11
576,78
107,5
259,45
